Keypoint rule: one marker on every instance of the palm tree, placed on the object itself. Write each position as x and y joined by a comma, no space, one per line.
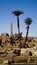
18,13
28,22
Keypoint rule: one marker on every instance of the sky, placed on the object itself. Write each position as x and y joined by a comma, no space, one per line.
29,7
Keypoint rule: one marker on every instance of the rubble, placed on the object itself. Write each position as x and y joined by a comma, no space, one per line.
10,51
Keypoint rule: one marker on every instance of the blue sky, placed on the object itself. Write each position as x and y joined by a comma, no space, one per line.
29,7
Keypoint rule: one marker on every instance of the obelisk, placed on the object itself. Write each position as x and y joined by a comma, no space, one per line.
11,28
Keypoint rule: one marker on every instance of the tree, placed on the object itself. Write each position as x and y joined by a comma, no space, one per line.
18,13
28,22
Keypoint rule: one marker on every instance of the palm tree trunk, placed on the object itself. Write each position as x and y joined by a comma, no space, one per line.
26,36
18,24
19,30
